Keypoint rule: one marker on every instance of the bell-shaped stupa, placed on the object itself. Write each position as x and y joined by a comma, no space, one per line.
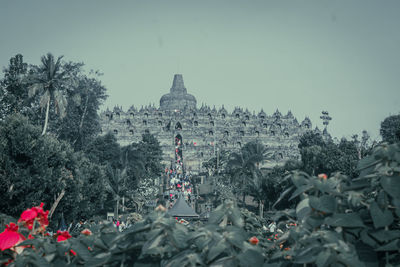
177,98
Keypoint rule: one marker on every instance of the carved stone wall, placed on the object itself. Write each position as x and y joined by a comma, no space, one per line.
205,130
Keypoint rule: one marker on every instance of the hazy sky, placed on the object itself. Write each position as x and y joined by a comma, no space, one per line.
304,56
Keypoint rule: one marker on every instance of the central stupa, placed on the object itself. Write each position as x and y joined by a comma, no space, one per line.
177,98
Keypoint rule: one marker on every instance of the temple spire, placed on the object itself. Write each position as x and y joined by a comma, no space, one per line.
177,98
177,85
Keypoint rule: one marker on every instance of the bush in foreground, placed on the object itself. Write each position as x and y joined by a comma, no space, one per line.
338,222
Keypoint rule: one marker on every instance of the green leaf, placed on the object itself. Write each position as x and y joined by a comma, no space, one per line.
181,259
366,254
99,260
251,257
100,244
300,190
150,247
325,186
216,216
325,203
225,261
314,222
236,218
367,239
367,164
396,203
380,218
62,248
391,184
81,250
348,259
392,246
216,250
308,254
303,209
386,235
50,257
324,258
179,236
345,220
283,194
49,248
108,238
298,179
235,236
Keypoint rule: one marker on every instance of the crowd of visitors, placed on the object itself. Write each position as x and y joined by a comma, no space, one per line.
179,182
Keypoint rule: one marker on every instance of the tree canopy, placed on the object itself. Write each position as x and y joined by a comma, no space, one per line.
390,129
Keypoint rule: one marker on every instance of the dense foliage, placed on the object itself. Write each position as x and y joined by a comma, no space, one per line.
37,168
325,156
50,146
339,222
57,95
390,129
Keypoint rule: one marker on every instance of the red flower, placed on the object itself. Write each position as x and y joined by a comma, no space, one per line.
254,240
86,232
8,262
62,235
10,237
29,216
72,252
322,176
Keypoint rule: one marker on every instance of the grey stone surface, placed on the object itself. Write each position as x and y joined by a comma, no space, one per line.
205,130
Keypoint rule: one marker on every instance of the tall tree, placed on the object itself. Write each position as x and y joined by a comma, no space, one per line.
151,154
33,168
13,87
390,129
324,156
116,186
245,164
105,150
82,123
50,80
257,187
217,164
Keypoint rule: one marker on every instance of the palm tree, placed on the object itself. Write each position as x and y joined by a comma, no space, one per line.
50,79
258,188
116,186
246,164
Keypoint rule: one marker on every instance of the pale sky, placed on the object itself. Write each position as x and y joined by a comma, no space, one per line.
303,56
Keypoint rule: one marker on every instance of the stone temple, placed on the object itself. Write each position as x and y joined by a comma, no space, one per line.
204,131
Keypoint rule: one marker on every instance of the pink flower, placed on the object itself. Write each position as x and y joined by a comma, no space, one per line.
62,235
86,232
10,237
